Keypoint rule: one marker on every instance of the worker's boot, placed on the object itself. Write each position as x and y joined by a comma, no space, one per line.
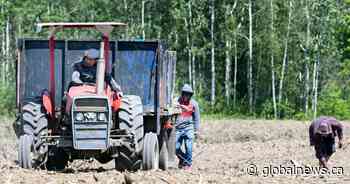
187,168
181,164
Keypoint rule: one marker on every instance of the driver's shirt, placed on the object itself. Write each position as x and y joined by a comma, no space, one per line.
86,73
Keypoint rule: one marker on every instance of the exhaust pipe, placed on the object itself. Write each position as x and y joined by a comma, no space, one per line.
100,73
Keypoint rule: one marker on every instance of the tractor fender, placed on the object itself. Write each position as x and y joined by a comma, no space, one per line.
47,103
116,102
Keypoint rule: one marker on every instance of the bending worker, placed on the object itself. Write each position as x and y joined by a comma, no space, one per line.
187,125
322,133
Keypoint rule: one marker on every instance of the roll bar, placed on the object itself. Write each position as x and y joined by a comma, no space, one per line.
104,27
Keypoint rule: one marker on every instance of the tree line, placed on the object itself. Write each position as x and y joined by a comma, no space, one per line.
262,58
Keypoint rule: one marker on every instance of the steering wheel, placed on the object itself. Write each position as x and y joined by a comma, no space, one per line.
89,83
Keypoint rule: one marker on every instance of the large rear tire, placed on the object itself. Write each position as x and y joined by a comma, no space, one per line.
163,156
34,125
150,156
131,120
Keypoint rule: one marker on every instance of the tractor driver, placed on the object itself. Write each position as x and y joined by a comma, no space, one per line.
85,71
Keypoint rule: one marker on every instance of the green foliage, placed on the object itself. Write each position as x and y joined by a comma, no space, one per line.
333,103
267,110
286,110
7,101
204,104
302,116
222,109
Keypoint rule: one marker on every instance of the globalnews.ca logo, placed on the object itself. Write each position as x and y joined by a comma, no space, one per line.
292,170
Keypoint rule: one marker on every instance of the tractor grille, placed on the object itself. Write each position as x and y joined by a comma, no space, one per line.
86,102
90,131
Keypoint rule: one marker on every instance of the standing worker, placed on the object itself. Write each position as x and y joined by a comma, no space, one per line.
322,133
187,125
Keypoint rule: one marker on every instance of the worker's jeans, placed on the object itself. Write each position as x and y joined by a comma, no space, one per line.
184,137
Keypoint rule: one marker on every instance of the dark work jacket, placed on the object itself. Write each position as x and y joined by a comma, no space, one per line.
88,74
336,129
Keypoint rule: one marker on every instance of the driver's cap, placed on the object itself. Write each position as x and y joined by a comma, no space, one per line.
92,54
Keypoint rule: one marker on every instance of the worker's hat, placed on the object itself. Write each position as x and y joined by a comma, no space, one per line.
187,89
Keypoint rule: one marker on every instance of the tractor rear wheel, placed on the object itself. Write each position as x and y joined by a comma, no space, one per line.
163,156
131,120
34,125
150,156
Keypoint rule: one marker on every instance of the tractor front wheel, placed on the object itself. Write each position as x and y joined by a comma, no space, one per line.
150,155
26,151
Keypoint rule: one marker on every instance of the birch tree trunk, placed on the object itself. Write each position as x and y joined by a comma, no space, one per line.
125,11
192,82
3,49
212,11
307,60
235,72
307,87
190,44
176,39
200,77
194,72
143,19
316,86
285,55
272,64
228,56
3,53
273,86
228,71
250,61
189,52
315,83
48,8
7,50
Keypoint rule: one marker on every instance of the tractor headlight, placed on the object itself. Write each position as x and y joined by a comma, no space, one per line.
102,117
79,116
91,116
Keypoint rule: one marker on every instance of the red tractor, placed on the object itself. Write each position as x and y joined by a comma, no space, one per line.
58,123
